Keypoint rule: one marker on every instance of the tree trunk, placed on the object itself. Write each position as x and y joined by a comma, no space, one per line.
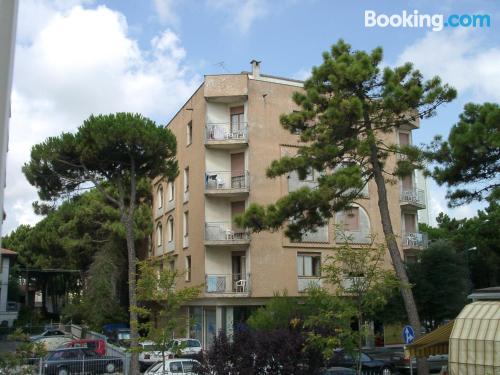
128,222
392,245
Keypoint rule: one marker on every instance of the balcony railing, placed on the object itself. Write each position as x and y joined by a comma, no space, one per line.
224,232
220,181
227,283
305,282
415,240
413,196
225,132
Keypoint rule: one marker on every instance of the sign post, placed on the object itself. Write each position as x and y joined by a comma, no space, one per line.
408,337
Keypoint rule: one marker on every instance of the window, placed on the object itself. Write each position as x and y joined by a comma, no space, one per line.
159,197
170,229
186,224
176,367
404,139
186,179
309,175
170,191
159,235
237,119
188,268
171,265
189,131
351,219
309,265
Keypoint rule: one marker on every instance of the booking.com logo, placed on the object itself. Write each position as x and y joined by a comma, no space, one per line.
434,21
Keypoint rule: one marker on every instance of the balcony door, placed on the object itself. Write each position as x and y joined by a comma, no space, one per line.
410,223
237,208
239,270
407,182
237,121
238,170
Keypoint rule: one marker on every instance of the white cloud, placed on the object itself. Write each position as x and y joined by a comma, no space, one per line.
76,61
241,13
461,58
165,11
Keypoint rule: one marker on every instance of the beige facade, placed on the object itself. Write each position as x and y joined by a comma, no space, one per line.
228,133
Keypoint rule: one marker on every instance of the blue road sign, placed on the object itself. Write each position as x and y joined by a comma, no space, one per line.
408,334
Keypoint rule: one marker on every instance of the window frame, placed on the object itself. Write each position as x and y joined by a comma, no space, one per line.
159,235
189,133
315,265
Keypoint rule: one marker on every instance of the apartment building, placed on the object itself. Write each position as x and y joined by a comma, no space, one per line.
8,310
228,133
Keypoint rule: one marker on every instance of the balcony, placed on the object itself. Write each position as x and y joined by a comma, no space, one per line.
412,198
227,284
305,282
415,241
223,234
227,183
223,136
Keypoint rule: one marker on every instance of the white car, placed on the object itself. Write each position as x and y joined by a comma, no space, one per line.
184,348
174,366
149,355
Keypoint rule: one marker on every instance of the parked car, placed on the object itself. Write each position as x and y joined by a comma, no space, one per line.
435,362
98,346
184,348
49,333
174,366
120,336
368,364
53,342
337,371
149,355
80,360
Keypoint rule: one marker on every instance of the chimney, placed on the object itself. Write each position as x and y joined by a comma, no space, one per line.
255,68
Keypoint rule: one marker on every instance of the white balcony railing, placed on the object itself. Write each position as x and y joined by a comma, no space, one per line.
305,282
415,240
413,196
226,180
227,283
225,132
223,231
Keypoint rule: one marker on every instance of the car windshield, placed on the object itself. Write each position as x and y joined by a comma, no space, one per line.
149,347
124,335
89,353
193,343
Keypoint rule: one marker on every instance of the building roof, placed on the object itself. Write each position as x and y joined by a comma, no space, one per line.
491,293
7,252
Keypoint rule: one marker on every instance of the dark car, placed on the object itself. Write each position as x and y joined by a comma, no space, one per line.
337,371
435,363
80,360
121,337
368,364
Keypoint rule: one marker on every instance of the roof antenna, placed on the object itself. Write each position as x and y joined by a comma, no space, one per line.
222,65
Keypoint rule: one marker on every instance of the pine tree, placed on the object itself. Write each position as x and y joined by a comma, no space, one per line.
347,109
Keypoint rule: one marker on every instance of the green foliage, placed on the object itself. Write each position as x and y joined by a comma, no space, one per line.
479,233
161,301
440,283
347,106
18,362
362,286
114,149
469,161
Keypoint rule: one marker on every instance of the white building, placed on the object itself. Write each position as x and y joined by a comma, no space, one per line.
7,313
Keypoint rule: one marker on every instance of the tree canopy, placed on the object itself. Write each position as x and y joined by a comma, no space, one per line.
118,154
469,161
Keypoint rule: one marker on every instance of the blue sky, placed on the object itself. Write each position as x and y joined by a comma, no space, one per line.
78,57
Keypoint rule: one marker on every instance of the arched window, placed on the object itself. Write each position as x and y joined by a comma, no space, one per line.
170,229
170,191
353,224
159,235
159,197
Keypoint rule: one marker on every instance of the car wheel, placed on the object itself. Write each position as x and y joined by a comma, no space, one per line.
62,371
386,371
110,368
